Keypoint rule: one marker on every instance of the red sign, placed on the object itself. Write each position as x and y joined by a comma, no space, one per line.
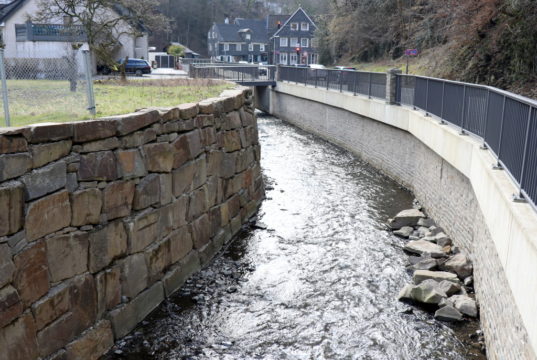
411,52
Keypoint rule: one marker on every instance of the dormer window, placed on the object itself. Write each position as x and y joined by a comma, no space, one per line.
305,26
248,37
294,26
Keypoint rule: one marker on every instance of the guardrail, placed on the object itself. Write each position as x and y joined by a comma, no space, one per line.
358,82
505,122
234,72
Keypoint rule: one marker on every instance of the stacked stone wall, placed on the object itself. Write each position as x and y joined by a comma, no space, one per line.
445,192
101,220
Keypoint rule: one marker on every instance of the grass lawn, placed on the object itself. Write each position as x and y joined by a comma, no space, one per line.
34,101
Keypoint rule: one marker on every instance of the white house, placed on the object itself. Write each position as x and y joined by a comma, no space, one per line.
23,39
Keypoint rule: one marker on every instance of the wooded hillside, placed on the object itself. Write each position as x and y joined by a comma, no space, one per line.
485,41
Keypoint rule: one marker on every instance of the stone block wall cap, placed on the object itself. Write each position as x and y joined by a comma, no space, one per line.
189,110
46,132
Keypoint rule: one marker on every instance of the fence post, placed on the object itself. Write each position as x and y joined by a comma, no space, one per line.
484,146
369,88
4,89
327,78
442,122
354,76
498,165
316,77
463,110
89,82
340,80
427,99
520,197
392,85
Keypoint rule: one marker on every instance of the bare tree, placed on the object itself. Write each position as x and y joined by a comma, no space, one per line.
104,21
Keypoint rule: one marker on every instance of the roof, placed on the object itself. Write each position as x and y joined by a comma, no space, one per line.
187,50
6,10
230,32
292,16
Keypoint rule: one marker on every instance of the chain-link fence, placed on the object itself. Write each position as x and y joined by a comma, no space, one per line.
46,89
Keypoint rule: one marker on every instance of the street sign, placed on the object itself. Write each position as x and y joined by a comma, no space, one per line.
411,52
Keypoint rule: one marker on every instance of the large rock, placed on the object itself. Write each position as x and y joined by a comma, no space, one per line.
449,287
47,132
201,231
448,313
118,197
129,123
426,292
183,178
404,232
159,157
422,275
459,264
180,244
11,208
10,305
99,166
423,247
13,165
147,192
106,245
232,141
31,277
51,307
67,255
12,144
84,131
108,284
158,258
45,180
45,153
17,340
86,207
143,230
408,217
134,275
93,343
464,304
426,264
125,318
131,164
7,268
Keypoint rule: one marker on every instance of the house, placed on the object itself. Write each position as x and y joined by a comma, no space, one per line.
293,40
277,39
244,40
23,39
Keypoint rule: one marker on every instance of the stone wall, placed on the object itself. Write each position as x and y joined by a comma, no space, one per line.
101,220
445,192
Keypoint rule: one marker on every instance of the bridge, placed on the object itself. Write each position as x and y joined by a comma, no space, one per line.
247,75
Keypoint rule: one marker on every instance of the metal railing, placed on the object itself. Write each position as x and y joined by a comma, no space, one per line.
50,32
234,72
357,82
507,123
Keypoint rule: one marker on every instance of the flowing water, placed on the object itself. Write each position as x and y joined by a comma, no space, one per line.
320,282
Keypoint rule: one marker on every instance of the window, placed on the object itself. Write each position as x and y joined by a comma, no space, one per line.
305,42
226,47
293,59
283,42
305,26
261,47
239,47
210,47
294,26
283,58
294,42
250,47
248,36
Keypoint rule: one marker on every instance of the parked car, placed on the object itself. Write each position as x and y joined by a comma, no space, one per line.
318,71
345,68
317,66
133,66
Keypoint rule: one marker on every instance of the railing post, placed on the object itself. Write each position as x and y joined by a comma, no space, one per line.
520,197
327,78
354,76
484,146
427,99
369,88
392,85
89,82
306,76
5,99
340,72
498,164
463,110
316,77
442,122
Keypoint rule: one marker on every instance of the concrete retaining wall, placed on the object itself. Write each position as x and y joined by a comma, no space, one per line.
453,178
101,220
